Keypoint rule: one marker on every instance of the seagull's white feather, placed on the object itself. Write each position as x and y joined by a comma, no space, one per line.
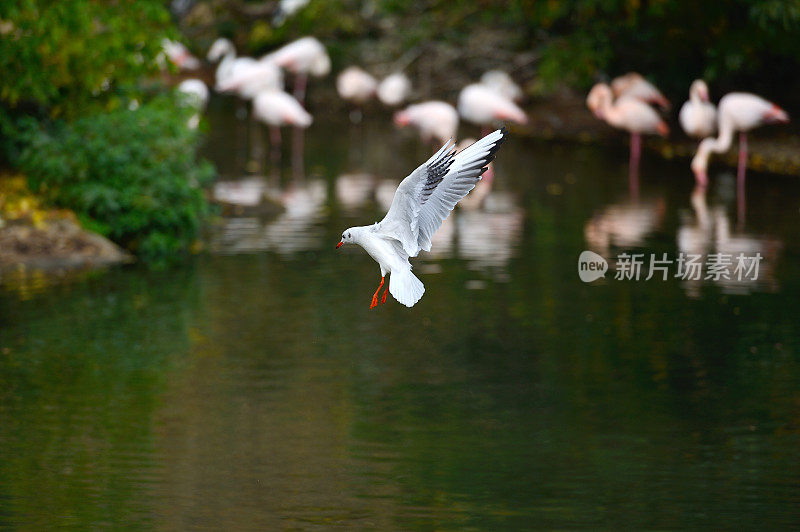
421,203
405,287
425,198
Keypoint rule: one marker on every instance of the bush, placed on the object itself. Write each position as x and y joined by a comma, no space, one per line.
72,55
131,175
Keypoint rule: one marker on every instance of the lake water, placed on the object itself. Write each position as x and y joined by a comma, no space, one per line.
252,388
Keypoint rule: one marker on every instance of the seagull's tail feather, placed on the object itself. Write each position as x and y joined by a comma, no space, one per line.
405,287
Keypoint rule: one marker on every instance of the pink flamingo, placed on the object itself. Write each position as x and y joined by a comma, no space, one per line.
302,57
698,116
634,85
630,114
394,89
178,55
252,78
436,121
484,106
738,111
502,83
358,86
229,65
276,108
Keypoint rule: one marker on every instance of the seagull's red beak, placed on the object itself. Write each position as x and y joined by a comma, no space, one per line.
339,245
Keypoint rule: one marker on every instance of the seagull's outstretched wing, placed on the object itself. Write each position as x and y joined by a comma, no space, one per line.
425,198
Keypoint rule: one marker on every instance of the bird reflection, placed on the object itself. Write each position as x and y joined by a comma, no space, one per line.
624,225
486,238
355,190
384,194
709,232
297,227
694,236
247,192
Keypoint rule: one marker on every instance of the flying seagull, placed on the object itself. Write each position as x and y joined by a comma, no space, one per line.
421,203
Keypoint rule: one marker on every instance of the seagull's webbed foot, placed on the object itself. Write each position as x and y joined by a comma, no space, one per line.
375,295
383,299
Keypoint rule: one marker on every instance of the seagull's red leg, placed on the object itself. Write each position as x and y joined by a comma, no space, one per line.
375,296
383,299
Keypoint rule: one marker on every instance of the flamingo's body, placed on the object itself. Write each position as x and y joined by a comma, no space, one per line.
738,111
698,116
503,84
635,86
303,57
252,78
229,66
356,85
632,115
483,106
276,109
394,89
435,120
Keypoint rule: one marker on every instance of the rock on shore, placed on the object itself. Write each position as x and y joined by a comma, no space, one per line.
56,244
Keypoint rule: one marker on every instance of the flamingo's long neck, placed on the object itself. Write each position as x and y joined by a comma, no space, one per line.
711,145
227,60
694,97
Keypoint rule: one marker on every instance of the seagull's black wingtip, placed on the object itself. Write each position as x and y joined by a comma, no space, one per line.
496,145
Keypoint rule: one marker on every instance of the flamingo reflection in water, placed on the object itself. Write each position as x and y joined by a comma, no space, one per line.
354,190
297,228
624,225
708,232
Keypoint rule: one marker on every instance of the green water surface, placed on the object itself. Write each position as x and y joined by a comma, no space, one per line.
253,388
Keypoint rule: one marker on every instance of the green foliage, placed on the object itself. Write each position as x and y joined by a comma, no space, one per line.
68,55
336,22
70,68
130,174
732,43
727,41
